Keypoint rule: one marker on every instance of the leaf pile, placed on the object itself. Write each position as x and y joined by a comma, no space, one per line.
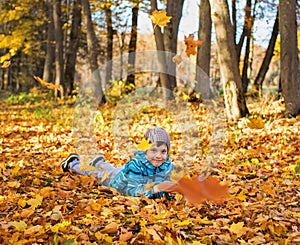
39,204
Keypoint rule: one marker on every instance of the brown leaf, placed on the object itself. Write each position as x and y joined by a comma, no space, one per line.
191,45
124,237
111,228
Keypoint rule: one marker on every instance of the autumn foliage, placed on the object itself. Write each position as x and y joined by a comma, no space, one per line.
39,204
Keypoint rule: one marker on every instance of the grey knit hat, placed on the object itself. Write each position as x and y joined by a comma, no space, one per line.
158,134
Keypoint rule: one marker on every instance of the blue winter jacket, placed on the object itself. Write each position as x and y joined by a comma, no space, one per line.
139,172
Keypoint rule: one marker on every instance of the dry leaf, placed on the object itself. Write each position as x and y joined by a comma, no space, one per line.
160,18
238,228
124,237
111,228
144,145
191,45
46,84
197,192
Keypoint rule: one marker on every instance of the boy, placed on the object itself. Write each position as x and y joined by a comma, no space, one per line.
145,174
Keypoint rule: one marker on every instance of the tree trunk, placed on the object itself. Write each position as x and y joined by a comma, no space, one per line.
59,61
258,82
233,91
50,48
289,61
71,53
132,44
248,21
109,43
204,50
92,50
162,59
170,36
233,13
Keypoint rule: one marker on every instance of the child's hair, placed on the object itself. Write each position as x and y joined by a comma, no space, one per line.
158,135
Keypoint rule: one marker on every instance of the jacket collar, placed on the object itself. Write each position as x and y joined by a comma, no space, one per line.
141,155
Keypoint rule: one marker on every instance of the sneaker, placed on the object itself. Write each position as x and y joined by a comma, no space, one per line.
96,159
65,164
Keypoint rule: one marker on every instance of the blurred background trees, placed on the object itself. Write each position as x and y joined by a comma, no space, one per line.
57,40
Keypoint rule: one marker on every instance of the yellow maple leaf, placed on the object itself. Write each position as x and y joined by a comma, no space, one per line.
20,225
144,144
35,202
160,18
238,228
256,123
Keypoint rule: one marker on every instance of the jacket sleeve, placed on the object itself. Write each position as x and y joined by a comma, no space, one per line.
131,181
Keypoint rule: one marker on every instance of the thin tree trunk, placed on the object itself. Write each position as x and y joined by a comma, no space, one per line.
59,61
92,50
233,91
132,45
289,61
71,53
204,50
248,21
164,79
50,48
258,82
233,13
109,43
174,9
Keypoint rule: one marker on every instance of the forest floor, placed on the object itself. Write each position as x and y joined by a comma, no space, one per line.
39,204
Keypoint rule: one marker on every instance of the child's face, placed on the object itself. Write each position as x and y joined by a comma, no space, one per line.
157,155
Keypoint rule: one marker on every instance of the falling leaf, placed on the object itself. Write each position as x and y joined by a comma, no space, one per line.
197,192
20,225
6,64
238,228
144,145
48,85
191,45
160,18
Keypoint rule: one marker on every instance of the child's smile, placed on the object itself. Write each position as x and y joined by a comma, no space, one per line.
157,155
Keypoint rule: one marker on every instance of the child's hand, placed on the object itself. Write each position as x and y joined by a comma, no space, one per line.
165,186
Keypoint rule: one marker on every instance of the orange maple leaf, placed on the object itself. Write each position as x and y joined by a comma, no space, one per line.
191,45
46,84
197,191
160,18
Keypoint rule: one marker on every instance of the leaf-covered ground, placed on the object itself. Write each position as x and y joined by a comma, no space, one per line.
39,204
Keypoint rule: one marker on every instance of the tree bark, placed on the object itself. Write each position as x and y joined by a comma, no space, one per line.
170,36
233,91
92,50
71,53
204,50
258,82
248,21
50,48
132,44
109,42
163,77
59,60
289,61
